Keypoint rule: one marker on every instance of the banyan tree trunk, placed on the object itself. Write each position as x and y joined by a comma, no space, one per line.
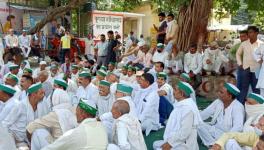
192,21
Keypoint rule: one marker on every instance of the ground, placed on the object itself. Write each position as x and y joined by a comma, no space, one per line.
158,135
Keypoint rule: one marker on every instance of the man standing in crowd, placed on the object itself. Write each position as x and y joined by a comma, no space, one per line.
243,37
65,46
248,65
101,51
171,32
161,30
111,48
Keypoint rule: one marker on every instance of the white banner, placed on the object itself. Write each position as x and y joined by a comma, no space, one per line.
104,22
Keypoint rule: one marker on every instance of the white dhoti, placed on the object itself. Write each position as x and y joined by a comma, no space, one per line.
26,51
147,126
40,139
208,134
214,66
232,145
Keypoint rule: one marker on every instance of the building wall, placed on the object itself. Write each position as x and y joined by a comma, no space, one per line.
149,19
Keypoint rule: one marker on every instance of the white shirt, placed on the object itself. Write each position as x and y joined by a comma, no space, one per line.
11,41
127,133
20,116
6,108
169,91
104,103
87,93
181,129
193,62
90,134
24,41
228,119
102,48
246,51
162,57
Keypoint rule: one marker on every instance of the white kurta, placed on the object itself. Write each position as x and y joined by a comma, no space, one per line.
193,62
230,119
7,141
162,57
181,129
258,55
216,57
108,120
72,89
17,120
127,134
169,91
104,103
86,93
6,108
90,134
57,76
147,105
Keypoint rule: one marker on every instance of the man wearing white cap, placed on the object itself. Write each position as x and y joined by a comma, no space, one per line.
213,58
50,127
181,129
54,73
160,54
86,89
7,101
90,134
25,112
127,132
42,67
24,41
227,115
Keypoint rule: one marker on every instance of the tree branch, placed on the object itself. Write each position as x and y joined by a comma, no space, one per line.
55,13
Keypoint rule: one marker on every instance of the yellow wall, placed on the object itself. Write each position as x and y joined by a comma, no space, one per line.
149,19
